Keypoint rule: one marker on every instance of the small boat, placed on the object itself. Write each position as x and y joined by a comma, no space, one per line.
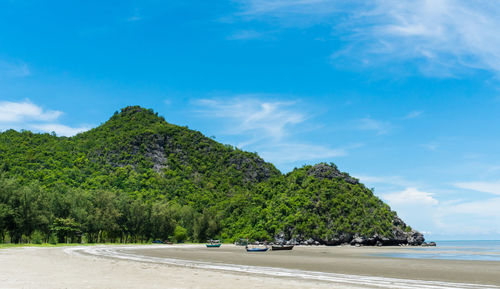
256,249
282,247
213,245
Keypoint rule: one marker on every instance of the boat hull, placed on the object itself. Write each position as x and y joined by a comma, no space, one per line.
213,245
282,248
256,249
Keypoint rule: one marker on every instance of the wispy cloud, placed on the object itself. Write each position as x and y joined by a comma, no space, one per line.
413,114
267,126
430,146
485,208
267,119
245,35
443,36
485,187
14,69
386,180
282,9
368,123
134,18
446,34
292,152
27,115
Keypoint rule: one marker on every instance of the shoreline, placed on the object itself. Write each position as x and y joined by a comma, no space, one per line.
190,266
359,261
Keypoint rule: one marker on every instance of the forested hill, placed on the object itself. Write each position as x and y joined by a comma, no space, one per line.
137,178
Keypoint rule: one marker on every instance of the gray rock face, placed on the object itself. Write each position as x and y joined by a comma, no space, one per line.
336,240
255,168
310,241
415,238
358,241
412,237
399,237
325,171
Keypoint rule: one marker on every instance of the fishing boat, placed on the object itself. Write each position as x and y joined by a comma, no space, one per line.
214,244
256,249
281,247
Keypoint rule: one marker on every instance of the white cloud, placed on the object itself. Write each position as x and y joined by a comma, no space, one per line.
411,196
59,129
469,217
485,187
380,127
21,111
445,36
27,115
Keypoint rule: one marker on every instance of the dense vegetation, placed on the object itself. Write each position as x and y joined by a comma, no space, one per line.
137,178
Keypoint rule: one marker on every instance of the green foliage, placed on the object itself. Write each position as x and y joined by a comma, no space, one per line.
53,239
137,178
180,234
65,228
37,237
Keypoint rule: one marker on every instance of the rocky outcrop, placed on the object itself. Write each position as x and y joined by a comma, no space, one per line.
330,171
400,236
253,167
412,238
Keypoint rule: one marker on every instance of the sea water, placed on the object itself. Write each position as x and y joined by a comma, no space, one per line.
453,250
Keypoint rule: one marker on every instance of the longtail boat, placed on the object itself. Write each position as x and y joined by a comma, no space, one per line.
281,247
256,249
214,244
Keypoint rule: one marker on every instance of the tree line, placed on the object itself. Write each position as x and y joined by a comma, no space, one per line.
31,214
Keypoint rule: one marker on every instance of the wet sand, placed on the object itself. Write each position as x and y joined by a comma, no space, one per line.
344,260
194,266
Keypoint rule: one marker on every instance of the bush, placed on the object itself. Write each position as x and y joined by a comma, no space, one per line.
180,234
37,237
53,239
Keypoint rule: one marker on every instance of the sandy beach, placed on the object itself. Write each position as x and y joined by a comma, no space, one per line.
194,266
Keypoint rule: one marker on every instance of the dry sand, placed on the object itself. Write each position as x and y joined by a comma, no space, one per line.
161,266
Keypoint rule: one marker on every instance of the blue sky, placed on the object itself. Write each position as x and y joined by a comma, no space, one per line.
404,95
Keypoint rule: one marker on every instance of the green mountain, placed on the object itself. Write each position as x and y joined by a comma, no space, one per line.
137,177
